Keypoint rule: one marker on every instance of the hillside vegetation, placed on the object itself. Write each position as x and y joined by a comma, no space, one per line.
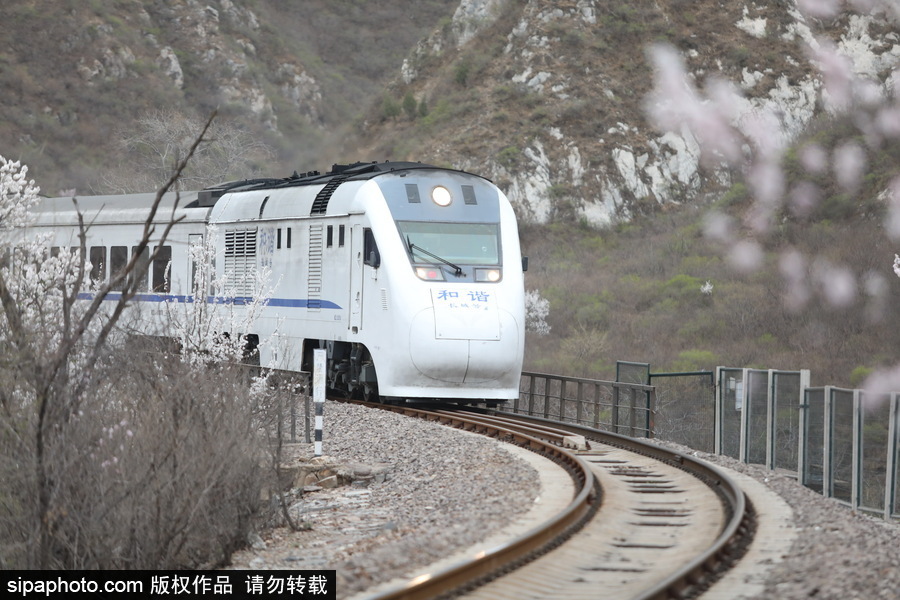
74,76
660,289
547,98
635,292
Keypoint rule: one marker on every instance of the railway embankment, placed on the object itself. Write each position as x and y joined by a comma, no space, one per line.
446,490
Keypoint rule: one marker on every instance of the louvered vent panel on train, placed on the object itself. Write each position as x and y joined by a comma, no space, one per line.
240,262
314,277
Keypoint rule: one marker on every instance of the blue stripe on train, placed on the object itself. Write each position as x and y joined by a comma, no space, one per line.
236,300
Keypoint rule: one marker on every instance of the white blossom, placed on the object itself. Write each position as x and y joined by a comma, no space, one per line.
210,324
536,311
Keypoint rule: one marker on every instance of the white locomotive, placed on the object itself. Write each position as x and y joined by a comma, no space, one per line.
408,274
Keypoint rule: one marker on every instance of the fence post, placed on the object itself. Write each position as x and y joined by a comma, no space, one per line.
306,438
579,406
771,399
547,381
803,426
718,413
615,409
856,456
828,442
893,444
743,454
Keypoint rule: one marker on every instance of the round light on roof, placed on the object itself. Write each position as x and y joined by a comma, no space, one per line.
441,195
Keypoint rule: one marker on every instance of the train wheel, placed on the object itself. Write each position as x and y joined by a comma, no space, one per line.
370,392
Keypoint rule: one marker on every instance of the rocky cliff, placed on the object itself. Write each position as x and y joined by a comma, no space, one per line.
547,97
550,98
75,75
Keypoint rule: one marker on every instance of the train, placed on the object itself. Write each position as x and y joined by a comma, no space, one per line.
409,275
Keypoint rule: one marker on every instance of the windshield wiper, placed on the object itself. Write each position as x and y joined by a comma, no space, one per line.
457,270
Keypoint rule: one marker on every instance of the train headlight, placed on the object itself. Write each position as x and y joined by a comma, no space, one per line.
488,275
430,273
441,195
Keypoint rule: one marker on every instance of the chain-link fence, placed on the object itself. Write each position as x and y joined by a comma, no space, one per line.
852,448
686,408
841,443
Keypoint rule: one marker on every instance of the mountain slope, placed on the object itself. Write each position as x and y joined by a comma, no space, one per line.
549,98
74,74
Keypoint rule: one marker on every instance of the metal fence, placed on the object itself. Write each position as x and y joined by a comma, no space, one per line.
844,444
852,448
616,406
758,415
686,408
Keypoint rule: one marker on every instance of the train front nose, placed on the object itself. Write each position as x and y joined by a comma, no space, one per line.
464,339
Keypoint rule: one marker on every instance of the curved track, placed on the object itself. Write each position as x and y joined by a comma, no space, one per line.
644,522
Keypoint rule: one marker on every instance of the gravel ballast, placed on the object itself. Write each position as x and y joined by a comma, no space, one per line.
447,489
838,554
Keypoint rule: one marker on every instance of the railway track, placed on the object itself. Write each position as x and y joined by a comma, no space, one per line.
643,523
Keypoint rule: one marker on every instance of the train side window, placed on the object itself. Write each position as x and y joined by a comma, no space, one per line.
288,237
142,264
370,249
118,258
329,236
278,240
54,251
161,275
340,236
98,263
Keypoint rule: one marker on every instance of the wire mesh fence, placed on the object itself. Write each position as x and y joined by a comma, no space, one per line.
841,443
852,448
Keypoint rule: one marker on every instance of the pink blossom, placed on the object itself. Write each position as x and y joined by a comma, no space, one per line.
837,71
838,284
746,256
814,158
676,103
792,265
849,165
718,226
892,218
819,8
804,198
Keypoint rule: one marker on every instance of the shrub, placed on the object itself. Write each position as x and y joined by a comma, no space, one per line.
409,105
390,108
159,469
461,72
859,375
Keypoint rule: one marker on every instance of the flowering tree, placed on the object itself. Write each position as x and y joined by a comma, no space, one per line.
755,143
79,462
210,327
536,310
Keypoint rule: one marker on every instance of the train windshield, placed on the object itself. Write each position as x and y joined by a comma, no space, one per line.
460,243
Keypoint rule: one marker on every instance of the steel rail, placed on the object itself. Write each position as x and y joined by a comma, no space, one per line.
728,546
487,564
